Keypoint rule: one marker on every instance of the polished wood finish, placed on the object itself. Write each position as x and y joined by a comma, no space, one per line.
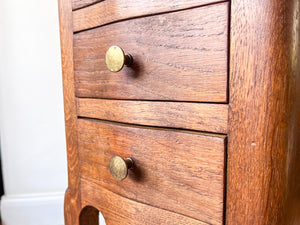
118,210
260,166
77,4
193,116
174,57
72,196
116,10
264,55
191,182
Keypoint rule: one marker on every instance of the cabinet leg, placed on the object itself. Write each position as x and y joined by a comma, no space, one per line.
75,214
72,208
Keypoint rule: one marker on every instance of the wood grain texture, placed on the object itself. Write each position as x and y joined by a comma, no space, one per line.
77,4
264,55
175,58
292,204
115,10
72,197
194,116
182,172
118,210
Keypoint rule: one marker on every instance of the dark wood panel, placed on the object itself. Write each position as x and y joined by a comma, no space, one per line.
118,210
76,4
262,144
72,197
182,172
177,56
194,116
115,10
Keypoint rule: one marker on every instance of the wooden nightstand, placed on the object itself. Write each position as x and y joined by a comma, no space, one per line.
206,113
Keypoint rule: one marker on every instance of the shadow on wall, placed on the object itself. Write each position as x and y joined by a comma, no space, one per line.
1,178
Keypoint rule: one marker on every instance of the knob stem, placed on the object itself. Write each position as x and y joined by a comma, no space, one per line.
128,60
129,163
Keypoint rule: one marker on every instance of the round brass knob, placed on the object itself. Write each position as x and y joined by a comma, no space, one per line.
118,167
115,59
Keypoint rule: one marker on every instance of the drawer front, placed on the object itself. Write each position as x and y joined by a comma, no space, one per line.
118,210
177,56
109,11
181,172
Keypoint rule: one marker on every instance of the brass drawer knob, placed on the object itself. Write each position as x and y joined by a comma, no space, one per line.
118,167
115,59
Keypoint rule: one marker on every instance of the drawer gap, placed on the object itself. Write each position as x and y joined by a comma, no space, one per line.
206,133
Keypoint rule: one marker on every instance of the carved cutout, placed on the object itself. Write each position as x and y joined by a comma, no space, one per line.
91,216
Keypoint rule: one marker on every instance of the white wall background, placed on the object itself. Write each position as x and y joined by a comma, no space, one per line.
31,113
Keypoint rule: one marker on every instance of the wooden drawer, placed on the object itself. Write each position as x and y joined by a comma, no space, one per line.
109,11
180,56
178,171
118,210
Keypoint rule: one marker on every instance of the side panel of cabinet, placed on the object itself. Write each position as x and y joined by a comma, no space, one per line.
72,203
263,126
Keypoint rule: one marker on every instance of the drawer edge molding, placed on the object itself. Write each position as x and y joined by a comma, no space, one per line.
108,11
183,115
